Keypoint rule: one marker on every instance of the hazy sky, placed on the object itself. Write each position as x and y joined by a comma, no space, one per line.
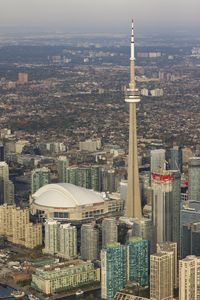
99,15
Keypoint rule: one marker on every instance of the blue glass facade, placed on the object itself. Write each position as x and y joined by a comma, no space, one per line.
113,260
138,261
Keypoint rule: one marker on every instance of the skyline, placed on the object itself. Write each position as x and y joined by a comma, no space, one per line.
112,16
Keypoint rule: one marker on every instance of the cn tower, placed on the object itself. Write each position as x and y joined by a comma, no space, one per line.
133,201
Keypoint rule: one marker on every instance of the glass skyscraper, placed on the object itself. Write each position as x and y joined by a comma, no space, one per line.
113,270
194,179
138,260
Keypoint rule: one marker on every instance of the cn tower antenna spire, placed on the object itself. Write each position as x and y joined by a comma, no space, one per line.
133,201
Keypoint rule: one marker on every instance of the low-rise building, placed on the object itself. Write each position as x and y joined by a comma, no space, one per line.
64,276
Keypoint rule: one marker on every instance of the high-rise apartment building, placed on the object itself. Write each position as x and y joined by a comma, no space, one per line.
89,177
172,248
68,241
6,224
158,160
20,220
138,261
15,225
39,178
6,185
33,235
133,202
194,179
60,239
52,245
166,187
189,278
161,276
109,231
63,164
89,242
113,270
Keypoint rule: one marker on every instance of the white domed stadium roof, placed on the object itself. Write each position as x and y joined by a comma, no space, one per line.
65,195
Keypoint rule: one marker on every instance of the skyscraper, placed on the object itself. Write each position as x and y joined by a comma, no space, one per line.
157,160
39,177
109,231
190,239
171,247
51,237
166,187
161,276
194,179
6,185
89,242
133,203
113,270
1,152
62,168
176,158
138,260
144,229
68,241
189,278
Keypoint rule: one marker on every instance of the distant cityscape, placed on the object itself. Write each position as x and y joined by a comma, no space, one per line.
98,194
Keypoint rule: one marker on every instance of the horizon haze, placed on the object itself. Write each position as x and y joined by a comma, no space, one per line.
99,16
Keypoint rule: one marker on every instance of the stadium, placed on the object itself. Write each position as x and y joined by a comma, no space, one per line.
67,202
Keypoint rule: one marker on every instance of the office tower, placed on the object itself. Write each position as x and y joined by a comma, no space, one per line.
190,239
138,261
63,163
161,276
1,152
22,78
133,202
52,245
171,247
166,187
189,278
144,229
109,231
194,179
189,214
6,185
39,178
33,235
158,161
20,220
176,159
113,270
89,242
68,241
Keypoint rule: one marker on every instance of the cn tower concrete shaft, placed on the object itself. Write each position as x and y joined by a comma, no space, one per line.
133,202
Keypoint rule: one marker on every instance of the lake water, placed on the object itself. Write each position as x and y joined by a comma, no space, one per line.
6,290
